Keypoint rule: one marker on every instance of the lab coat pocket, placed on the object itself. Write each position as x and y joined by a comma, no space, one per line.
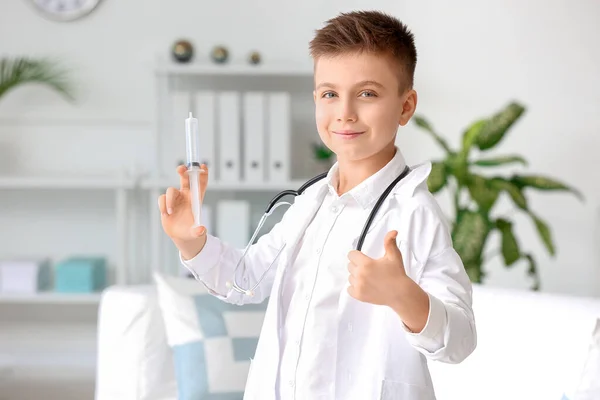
395,390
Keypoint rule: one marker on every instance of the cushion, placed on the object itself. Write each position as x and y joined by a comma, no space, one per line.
588,387
212,341
134,361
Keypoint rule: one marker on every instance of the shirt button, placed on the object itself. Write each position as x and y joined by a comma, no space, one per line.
334,209
318,251
291,383
349,327
307,297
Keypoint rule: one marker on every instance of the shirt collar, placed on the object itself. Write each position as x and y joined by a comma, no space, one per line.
368,191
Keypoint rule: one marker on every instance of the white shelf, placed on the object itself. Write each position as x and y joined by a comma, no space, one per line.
224,186
32,182
171,68
50,298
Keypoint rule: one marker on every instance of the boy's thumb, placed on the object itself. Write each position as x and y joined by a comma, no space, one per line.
391,248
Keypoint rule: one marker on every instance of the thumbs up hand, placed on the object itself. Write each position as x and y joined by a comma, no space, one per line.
383,281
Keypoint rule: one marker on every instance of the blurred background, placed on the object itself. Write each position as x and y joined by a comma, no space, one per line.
81,167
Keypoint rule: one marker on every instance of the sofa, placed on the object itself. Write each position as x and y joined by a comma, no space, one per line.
531,346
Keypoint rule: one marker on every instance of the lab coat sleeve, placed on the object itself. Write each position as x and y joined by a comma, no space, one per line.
214,266
449,334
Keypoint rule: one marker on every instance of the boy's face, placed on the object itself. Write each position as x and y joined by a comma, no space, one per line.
359,105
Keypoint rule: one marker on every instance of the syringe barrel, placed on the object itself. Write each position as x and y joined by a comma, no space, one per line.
192,136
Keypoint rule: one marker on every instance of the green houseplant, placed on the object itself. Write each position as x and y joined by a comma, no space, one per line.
475,193
18,71
323,155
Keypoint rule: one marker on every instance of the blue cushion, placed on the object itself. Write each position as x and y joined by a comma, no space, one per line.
212,341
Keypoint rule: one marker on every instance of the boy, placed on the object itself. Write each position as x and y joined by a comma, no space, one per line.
341,323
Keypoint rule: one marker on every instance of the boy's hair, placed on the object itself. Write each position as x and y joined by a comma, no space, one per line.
371,32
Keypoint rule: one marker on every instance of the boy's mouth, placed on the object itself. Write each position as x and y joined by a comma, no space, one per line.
346,134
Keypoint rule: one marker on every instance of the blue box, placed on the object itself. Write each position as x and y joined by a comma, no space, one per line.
80,275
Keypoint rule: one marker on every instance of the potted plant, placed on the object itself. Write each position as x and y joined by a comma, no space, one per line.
18,71
475,194
323,155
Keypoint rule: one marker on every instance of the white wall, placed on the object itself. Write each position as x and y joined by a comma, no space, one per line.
473,58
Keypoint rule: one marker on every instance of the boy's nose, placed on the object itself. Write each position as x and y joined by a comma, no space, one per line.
346,112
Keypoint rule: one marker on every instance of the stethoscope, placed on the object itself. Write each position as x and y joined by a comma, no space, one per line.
274,203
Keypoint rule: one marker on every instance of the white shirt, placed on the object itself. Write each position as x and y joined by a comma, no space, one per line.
312,285
378,357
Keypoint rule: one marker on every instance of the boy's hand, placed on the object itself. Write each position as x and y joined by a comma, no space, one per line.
383,281
176,214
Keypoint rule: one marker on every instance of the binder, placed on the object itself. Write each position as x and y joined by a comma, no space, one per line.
205,111
229,164
254,137
279,132
233,222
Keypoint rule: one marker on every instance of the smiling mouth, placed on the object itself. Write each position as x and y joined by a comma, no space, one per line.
348,133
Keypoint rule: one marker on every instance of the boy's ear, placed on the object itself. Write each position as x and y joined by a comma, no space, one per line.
315,96
409,106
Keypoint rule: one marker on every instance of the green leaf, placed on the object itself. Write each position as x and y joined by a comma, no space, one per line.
496,161
458,167
322,152
421,122
515,193
437,177
544,232
471,134
543,183
469,235
510,247
20,71
496,127
474,272
532,271
484,194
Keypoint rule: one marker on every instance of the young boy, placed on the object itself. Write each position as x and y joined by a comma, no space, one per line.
341,323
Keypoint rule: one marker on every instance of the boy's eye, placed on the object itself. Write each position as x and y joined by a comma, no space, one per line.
328,95
368,93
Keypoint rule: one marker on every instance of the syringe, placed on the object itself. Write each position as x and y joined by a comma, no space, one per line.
193,166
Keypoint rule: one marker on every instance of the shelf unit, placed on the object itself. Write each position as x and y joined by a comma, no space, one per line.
290,77
166,68
120,185
128,189
50,298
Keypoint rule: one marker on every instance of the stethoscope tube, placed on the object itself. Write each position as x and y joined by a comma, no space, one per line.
380,200
298,192
274,203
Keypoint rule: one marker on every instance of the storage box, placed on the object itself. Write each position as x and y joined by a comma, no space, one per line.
24,276
80,275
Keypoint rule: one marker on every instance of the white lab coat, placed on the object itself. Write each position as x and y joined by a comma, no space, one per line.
378,357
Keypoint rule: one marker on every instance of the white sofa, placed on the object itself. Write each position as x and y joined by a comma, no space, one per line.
530,346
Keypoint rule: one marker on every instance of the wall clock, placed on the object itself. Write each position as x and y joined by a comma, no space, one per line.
65,10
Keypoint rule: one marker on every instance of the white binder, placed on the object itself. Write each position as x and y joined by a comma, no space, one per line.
233,222
229,164
205,111
253,136
174,144
279,132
